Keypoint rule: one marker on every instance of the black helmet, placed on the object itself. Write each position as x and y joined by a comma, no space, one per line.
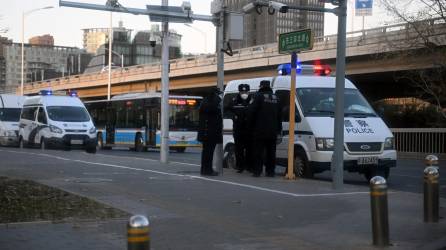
264,84
243,88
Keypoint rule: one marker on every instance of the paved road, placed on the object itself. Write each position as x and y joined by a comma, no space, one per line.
407,176
234,211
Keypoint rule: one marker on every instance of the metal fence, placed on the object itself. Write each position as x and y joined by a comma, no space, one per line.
420,141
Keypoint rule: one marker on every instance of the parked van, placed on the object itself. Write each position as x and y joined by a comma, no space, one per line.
10,108
368,142
59,121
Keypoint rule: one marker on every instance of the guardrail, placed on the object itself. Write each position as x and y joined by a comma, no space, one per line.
418,142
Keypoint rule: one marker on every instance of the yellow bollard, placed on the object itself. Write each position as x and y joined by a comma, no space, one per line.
138,233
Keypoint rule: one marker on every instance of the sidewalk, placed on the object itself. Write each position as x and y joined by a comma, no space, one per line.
106,235
233,211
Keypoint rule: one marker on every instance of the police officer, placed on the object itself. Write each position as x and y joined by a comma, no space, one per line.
210,129
266,123
241,130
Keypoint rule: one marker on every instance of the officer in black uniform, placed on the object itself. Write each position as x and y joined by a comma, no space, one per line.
210,131
240,129
266,123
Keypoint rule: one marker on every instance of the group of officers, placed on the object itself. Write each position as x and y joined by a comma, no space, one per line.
256,126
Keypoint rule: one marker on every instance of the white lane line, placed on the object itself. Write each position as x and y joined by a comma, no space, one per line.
148,159
196,177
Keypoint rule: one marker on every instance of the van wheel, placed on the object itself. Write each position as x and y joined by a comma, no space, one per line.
301,166
43,145
139,143
229,160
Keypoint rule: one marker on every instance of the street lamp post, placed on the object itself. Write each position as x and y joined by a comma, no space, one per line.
110,42
23,41
120,55
164,155
203,33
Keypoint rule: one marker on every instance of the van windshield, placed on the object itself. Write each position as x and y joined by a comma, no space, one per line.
67,114
10,114
321,102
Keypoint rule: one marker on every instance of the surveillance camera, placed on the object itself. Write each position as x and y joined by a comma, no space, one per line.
186,6
152,43
248,8
282,8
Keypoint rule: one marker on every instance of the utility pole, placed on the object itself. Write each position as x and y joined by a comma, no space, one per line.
165,91
218,153
110,44
337,165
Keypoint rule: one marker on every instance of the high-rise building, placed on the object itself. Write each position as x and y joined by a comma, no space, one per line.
147,45
94,38
3,42
145,48
40,63
45,40
265,28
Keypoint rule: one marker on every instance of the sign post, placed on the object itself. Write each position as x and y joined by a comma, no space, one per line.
293,42
363,8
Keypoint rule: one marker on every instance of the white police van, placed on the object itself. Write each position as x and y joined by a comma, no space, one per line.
10,108
368,142
59,121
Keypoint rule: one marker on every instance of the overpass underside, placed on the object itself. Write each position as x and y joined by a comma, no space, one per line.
375,75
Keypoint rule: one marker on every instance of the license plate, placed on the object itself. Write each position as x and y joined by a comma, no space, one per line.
368,161
77,142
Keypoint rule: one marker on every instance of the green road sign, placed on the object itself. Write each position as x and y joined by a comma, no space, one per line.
295,41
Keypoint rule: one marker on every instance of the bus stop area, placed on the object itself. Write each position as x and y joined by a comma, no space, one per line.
233,211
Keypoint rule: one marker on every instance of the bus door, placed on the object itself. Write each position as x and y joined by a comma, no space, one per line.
110,126
153,116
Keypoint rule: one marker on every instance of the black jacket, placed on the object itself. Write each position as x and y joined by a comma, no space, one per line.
210,121
239,109
264,115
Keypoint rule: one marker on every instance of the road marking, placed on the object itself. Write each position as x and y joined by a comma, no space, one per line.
148,159
193,177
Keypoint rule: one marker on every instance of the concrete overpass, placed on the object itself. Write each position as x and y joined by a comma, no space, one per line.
369,53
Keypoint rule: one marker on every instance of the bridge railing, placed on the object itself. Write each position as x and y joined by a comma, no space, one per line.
417,142
376,36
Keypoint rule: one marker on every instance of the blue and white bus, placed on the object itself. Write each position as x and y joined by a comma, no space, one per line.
134,120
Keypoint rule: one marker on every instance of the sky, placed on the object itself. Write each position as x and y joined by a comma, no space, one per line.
66,24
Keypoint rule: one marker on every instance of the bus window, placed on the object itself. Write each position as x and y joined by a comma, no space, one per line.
183,115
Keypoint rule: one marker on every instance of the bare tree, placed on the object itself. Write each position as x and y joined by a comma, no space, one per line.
2,29
424,18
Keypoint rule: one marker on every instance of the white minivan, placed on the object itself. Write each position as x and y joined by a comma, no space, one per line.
59,121
10,108
368,142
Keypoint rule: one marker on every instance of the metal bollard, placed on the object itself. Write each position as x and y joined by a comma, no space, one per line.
138,233
431,194
431,160
380,220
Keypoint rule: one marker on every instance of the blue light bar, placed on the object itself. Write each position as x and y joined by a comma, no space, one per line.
45,92
285,69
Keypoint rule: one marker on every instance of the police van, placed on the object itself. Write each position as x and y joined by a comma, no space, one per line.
368,142
58,121
10,108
